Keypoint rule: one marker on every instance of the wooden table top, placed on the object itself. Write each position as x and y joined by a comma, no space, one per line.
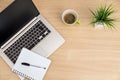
88,53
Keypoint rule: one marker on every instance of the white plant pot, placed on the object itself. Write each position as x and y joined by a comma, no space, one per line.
99,25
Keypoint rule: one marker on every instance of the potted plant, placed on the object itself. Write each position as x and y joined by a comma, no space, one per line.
101,17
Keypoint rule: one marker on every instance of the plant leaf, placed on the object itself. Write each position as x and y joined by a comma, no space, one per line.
102,14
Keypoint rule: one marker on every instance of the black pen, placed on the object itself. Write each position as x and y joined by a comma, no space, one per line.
27,64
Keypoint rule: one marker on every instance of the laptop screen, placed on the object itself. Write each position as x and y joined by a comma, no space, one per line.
15,17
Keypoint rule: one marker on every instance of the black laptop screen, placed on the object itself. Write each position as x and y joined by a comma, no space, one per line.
14,17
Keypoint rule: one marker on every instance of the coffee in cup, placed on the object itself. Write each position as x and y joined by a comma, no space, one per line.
69,16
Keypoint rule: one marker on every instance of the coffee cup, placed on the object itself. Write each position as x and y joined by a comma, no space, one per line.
70,17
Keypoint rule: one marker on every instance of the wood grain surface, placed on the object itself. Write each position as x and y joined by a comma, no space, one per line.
88,53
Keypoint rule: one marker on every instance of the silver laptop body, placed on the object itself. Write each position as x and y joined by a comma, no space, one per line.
45,47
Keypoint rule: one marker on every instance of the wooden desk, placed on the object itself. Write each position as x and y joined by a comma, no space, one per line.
88,53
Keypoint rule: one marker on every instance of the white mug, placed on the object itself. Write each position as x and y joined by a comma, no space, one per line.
74,15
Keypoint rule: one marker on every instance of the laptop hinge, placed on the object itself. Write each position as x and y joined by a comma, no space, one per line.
18,33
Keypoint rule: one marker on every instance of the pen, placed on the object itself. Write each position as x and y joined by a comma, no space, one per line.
27,64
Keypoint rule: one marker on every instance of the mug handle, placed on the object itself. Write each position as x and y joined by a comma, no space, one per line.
78,21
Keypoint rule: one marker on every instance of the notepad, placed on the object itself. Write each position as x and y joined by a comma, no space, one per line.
31,65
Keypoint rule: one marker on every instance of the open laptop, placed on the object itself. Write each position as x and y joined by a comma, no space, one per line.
21,25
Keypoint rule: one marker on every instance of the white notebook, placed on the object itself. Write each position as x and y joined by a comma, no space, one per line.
31,65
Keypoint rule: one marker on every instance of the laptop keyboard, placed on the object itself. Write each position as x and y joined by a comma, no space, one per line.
28,40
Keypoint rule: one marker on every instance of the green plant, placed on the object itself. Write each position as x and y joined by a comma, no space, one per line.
102,15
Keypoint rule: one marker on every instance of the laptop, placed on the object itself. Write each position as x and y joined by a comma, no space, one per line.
21,25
